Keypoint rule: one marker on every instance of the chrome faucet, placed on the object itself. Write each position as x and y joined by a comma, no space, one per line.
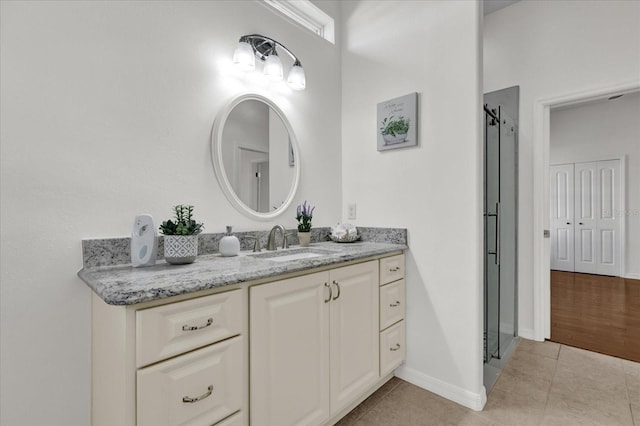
271,242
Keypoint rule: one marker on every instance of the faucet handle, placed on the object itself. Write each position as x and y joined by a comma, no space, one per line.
256,244
285,242
285,239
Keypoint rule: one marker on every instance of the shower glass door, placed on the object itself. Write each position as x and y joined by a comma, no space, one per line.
500,224
491,220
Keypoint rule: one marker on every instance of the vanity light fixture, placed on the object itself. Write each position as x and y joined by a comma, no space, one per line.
264,48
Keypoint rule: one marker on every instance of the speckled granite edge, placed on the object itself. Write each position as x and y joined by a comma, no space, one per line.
124,285
116,251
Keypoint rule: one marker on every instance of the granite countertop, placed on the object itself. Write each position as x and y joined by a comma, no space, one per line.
124,285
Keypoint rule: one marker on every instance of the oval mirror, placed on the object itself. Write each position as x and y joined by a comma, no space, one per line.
255,156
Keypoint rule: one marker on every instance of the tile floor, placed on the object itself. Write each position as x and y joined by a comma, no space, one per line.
542,384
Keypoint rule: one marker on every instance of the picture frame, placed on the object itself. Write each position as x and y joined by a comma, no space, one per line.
397,122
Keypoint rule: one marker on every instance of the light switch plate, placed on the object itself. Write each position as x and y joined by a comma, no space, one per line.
351,211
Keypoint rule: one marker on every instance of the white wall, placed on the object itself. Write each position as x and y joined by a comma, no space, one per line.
551,48
433,48
106,111
602,131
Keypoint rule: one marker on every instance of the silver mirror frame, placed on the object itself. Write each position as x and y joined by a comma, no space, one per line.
218,165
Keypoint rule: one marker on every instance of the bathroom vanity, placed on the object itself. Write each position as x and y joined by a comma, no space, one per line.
291,337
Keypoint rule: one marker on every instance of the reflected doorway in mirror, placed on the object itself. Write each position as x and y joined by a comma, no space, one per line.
254,153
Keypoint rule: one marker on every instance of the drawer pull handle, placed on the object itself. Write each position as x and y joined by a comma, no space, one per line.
190,400
330,292
196,327
396,269
338,286
395,305
395,348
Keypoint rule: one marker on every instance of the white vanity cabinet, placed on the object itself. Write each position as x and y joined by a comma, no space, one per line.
314,345
299,350
180,363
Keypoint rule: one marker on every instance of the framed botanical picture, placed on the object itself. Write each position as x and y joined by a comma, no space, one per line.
398,122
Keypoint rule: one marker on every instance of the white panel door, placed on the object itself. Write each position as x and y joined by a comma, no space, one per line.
608,221
354,332
289,362
586,204
562,217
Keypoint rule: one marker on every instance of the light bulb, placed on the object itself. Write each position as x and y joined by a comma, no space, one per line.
297,79
243,57
273,67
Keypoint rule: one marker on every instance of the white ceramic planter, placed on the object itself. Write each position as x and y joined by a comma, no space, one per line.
180,249
390,139
304,238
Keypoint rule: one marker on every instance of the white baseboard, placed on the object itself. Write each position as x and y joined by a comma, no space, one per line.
527,333
474,401
633,276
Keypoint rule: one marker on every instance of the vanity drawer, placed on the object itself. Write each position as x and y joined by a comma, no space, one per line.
392,348
235,420
392,303
391,269
201,387
168,330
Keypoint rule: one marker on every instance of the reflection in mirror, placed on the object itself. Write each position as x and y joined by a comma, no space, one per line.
254,154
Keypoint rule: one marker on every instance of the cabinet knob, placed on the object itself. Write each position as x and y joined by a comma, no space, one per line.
190,400
395,348
580,223
568,223
394,305
395,269
197,327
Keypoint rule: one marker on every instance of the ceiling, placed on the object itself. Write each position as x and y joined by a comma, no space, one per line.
491,6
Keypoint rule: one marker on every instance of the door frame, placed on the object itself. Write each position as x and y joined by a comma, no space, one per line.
541,221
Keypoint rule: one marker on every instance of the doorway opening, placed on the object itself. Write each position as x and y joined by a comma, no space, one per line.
592,147
541,220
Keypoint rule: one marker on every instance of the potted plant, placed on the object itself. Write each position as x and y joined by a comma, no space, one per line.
304,214
394,131
181,236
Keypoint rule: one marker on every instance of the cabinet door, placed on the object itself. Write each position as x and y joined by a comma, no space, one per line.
290,351
354,332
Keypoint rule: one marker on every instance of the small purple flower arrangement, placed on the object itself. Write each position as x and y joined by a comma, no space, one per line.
304,214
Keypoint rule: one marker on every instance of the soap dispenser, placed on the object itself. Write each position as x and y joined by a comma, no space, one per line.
229,244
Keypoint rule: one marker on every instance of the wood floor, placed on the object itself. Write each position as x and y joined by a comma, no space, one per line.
597,313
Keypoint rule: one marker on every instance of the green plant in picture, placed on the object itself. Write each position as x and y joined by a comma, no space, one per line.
304,214
399,126
183,223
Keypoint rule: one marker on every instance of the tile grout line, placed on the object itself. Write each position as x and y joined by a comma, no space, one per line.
626,386
385,395
553,377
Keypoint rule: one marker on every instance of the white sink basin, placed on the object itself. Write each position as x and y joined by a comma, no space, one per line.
292,254
296,256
